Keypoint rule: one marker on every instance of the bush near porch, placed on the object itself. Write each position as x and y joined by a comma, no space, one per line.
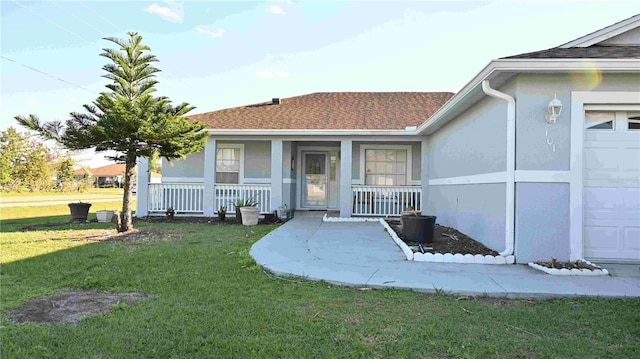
206,297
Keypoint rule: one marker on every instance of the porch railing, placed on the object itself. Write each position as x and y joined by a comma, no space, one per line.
385,200
226,194
189,197
182,197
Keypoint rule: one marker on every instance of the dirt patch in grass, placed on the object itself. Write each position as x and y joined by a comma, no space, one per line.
447,240
71,306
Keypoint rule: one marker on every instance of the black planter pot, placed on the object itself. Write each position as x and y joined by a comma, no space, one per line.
238,215
79,211
418,228
222,216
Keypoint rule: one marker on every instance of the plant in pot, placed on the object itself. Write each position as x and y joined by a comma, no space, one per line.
222,213
241,202
79,211
170,213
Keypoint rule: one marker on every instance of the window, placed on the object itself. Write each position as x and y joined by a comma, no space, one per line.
386,167
228,165
633,121
599,120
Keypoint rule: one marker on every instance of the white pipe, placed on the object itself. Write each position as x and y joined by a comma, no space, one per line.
511,165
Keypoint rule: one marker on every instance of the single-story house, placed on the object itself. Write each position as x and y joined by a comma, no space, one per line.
105,176
537,156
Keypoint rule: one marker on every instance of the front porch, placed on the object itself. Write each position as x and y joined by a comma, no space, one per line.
356,178
189,199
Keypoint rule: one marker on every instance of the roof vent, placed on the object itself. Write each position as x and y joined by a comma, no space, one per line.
275,101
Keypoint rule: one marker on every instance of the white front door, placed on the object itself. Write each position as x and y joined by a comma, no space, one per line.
612,185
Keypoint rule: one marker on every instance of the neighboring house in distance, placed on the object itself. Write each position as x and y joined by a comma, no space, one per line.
489,160
102,177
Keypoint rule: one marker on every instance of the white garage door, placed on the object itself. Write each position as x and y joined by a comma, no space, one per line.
612,185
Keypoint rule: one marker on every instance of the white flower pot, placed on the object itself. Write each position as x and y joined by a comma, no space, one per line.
249,215
104,216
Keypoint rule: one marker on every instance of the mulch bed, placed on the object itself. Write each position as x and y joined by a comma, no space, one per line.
447,240
568,265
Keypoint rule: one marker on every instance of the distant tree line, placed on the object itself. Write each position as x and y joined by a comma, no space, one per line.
26,164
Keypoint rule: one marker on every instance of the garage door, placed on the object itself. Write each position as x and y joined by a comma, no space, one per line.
612,186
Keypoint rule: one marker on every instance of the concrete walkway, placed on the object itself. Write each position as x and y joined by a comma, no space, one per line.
363,254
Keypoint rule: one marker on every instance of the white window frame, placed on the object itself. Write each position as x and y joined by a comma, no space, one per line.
241,179
408,148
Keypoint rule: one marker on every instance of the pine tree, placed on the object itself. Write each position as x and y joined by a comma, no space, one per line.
128,118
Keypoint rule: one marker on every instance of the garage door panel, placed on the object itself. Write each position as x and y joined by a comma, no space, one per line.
605,159
601,197
601,237
631,241
631,200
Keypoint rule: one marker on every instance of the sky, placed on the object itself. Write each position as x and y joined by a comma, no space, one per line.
220,54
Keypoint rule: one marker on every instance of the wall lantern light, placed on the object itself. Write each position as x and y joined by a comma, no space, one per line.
553,110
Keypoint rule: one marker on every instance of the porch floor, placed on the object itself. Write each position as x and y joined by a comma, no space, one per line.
362,254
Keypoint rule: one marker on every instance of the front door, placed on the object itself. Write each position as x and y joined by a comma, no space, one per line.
314,180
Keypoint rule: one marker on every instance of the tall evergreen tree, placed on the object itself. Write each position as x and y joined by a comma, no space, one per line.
128,118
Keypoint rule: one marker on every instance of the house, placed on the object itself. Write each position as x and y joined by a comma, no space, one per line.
537,156
105,176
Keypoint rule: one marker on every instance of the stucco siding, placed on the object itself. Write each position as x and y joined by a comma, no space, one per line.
257,159
475,210
191,166
534,91
542,221
474,143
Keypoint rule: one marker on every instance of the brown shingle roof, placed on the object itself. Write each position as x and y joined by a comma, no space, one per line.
591,52
332,111
109,170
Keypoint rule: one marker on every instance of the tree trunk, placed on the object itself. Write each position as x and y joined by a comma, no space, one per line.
126,223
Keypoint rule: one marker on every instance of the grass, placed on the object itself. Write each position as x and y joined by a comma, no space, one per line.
90,190
208,298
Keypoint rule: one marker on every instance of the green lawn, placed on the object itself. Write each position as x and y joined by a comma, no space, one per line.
90,190
208,299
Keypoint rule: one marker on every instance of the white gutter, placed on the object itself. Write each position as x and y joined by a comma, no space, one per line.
511,165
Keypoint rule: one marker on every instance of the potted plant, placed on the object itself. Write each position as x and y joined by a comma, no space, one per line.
79,211
222,213
241,202
170,213
104,215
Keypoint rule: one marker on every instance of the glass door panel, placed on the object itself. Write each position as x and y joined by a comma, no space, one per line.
314,180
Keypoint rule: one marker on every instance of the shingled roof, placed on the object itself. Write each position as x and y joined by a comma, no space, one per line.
332,111
591,52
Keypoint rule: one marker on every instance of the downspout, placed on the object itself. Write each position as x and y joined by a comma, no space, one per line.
511,165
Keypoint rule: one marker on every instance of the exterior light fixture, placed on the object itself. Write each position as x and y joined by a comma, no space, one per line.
553,110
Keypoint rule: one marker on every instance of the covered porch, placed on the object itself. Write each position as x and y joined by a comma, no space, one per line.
355,176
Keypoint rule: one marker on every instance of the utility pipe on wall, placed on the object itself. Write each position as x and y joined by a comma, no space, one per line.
511,165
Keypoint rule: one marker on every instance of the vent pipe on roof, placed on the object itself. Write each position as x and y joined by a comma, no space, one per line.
275,101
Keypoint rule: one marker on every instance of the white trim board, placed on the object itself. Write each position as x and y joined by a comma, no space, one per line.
501,177
483,178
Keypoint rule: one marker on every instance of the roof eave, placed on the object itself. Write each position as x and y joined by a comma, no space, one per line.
303,132
495,67
604,34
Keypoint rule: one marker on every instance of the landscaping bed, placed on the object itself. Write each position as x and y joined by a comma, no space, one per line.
446,240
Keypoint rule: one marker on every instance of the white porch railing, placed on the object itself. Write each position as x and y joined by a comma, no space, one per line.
182,197
385,200
227,194
189,197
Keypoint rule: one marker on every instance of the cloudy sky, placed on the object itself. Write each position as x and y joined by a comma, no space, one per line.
219,54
